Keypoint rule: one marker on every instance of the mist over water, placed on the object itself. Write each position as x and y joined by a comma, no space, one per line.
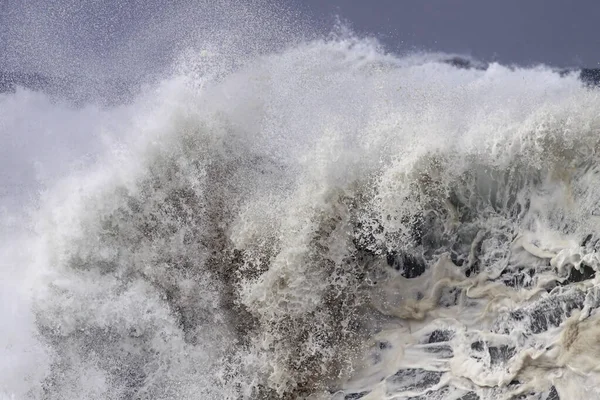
274,213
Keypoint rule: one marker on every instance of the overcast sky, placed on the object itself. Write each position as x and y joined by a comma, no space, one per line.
557,32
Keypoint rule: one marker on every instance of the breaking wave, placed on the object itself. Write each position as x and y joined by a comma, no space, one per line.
328,221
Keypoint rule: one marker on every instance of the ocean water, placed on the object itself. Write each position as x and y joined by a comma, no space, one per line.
324,221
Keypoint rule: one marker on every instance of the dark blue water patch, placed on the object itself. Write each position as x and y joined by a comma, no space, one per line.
552,312
442,394
416,379
521,278
434,394
501,354
464,63
477,346
590,76
470,396
410,266
498,354
589,241
441,335
584,273
442,351
457,259
544,318
355,396
536,396
544,314
553,395
383,345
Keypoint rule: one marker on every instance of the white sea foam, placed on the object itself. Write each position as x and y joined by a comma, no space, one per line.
323,221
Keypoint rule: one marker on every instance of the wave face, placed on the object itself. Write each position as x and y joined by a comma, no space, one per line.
325,222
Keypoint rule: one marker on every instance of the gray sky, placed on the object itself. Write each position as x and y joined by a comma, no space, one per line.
82,34
561,33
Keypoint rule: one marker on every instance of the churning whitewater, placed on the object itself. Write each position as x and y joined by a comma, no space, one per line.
326,222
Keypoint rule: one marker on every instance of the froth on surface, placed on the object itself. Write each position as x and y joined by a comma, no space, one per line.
326,221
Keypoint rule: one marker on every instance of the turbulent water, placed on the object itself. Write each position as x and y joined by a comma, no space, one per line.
327,221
